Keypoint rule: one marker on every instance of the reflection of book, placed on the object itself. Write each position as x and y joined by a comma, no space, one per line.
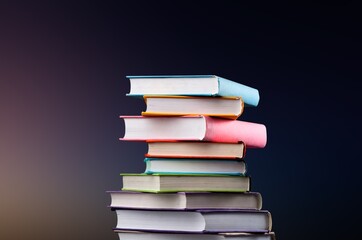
185,200
200,128
194,221
196,149
194,166
136,235
185,183
225,107
192,85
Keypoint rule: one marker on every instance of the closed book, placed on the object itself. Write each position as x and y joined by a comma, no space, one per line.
185,200
223,107
194,166
196,149
185,183
138,235
192,85
218,221
191,128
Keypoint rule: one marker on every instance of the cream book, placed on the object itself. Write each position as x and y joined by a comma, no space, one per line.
185,183
224,107
196,149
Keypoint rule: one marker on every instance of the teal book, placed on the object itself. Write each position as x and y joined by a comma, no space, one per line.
192,85
179,166
185,183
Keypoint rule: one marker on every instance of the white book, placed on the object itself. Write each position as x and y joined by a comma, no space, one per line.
225,107
194,221
186,200
133,235
194,128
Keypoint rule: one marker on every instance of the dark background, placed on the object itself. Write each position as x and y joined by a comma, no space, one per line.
63,86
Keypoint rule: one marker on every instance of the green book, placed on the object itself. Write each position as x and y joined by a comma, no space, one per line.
185,183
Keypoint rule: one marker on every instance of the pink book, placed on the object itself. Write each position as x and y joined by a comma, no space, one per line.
191,128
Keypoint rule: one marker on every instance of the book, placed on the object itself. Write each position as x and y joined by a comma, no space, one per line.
185,183
194,166
185,200
196,149
137,235
224,107
188,128
218,221
192,85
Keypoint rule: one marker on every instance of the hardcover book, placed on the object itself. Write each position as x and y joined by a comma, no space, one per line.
251,221
137,235
223,107
186,200
192,85
196,149
194,166
188,128
185,183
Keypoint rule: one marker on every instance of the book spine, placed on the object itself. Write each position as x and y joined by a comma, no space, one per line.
220,130
249,95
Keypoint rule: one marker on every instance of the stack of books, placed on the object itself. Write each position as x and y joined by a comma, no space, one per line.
195,184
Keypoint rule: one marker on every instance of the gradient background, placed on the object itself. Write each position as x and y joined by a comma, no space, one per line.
63,86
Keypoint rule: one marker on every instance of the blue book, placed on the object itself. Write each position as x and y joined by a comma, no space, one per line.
179,166
192,85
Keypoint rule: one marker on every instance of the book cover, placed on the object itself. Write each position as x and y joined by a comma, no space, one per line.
225,87
149,235
207,221
184,166
186,200
185,105
191,128
195,149
158,183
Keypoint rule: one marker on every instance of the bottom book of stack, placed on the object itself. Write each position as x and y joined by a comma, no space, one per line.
136,235
190,215
251,221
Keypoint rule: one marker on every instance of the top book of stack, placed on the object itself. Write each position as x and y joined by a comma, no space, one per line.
185,85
